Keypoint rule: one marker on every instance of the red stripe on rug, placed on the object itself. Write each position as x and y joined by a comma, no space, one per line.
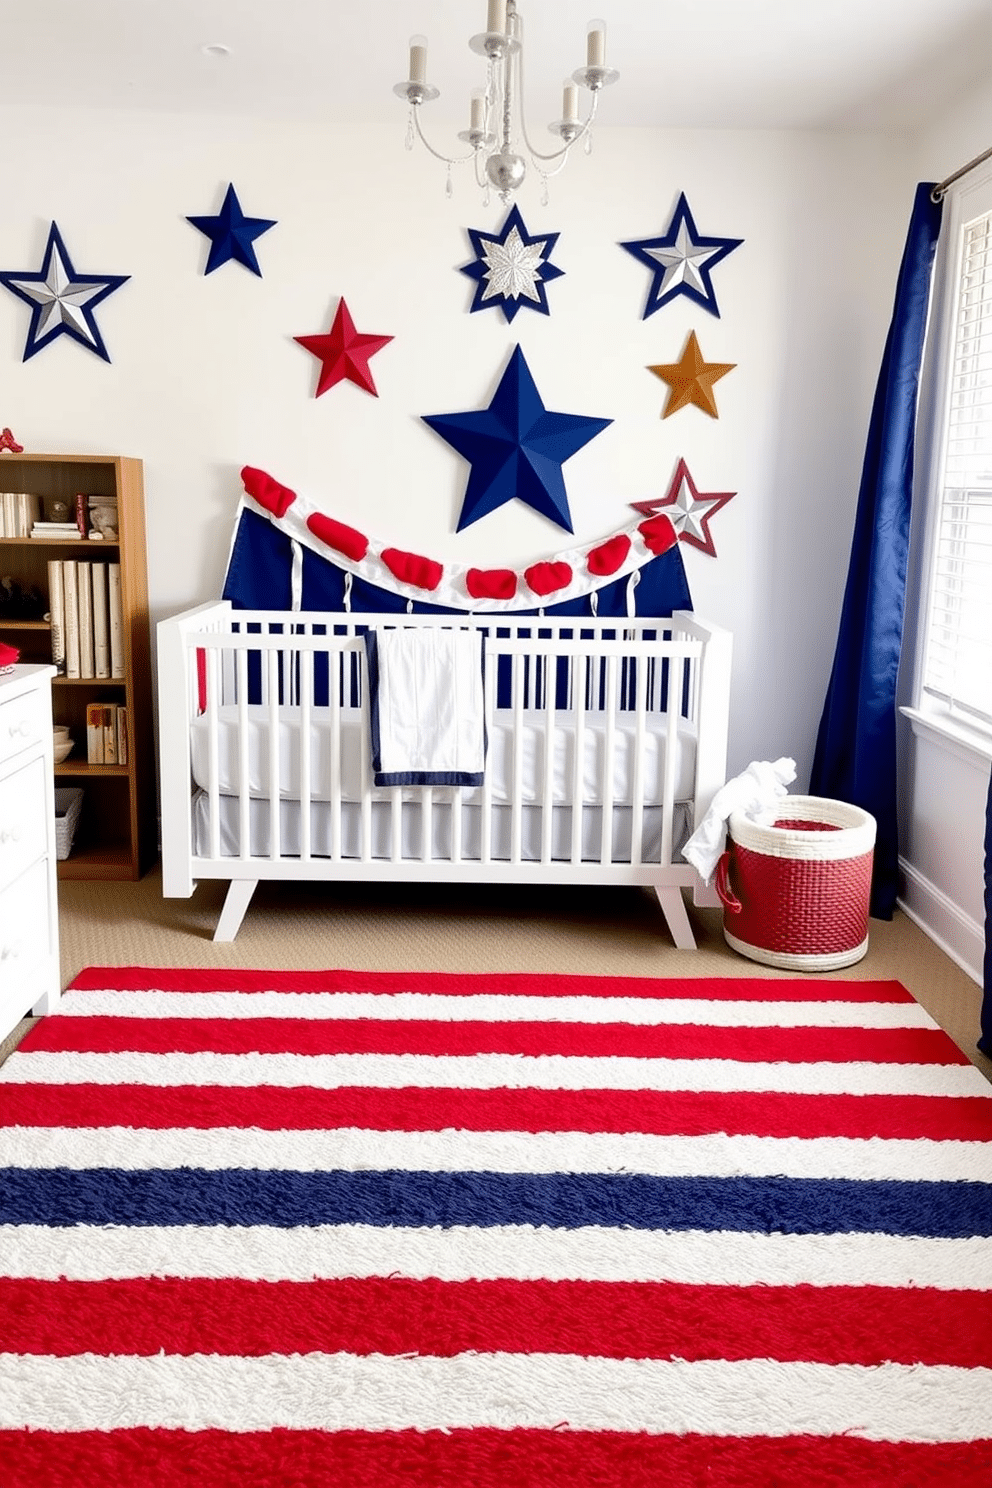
302,1035
396,1315
759,988
483,1458
658,1112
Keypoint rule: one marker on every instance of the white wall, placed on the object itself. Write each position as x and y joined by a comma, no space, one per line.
943,786
205,376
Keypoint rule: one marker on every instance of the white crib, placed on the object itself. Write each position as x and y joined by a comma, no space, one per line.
607,739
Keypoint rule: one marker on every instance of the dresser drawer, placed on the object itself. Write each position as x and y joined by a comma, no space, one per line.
25,936
23,819
24,721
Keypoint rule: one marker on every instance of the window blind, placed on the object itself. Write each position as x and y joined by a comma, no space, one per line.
958,654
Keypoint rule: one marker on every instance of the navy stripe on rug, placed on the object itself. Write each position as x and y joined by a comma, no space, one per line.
109,1196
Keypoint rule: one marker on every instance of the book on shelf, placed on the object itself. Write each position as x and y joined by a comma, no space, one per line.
122,734
84,606
19,510
70,607
94,733
109,733
56,614
115,620
62,531
101,632
106,734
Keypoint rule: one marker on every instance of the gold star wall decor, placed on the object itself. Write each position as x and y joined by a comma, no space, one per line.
691,379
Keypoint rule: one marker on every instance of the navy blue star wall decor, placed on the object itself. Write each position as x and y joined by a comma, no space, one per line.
232,234
62,301
511,267
681,262
516,448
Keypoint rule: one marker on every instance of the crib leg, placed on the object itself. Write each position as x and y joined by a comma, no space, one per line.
239,892
673,908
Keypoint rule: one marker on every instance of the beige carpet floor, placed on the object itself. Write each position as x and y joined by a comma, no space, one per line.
603,931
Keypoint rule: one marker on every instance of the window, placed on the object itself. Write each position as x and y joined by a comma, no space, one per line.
956,653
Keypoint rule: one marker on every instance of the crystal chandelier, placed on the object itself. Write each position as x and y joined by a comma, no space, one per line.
496,114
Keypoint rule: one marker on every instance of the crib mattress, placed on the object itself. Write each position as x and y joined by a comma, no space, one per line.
499,758
345,839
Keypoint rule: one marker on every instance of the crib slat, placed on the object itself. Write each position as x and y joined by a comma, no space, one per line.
609,749
676,669
548,793
365,846
640,665
213,754
486,802
275,751
580,668
516,804
426,822
240,658
306,764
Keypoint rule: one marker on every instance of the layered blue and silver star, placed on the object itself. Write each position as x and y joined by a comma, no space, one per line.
511,267
516,448
689,510
232,234
681,262
62,301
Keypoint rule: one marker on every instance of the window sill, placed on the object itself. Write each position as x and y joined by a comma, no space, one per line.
971,745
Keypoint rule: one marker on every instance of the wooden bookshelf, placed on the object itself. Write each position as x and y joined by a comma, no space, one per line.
115,837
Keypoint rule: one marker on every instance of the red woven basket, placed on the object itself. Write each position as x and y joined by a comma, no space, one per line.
796,893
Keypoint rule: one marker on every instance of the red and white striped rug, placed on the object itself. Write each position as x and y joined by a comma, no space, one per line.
364,1229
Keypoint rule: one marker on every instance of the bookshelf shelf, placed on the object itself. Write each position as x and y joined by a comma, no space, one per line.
115,836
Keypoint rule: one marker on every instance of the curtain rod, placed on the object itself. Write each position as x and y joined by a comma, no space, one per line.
940,189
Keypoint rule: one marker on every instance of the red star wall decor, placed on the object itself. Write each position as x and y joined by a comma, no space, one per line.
344,353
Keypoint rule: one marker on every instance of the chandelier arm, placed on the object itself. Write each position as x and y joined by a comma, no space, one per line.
445,159
580,133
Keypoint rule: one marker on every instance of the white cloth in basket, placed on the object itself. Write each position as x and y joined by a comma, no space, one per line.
755,791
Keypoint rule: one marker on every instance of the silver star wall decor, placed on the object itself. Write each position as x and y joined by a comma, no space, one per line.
62,301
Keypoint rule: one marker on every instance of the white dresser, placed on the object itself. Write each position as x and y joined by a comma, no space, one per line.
30,979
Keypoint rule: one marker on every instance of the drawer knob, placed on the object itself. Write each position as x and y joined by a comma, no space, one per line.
10,834
19,730
10,953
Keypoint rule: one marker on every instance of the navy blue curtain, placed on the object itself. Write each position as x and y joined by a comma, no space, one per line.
855,757
985,1042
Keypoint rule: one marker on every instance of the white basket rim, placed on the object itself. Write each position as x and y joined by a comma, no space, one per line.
854,835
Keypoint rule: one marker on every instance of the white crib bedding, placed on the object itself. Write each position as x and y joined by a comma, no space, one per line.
346,840
499,760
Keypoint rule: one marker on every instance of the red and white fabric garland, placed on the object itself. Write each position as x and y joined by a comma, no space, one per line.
568,575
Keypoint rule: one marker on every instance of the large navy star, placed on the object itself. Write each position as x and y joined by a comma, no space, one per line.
232,234
511,267
516,448
62,301
681,262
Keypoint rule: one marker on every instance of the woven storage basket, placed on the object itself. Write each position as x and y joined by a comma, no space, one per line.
796,893
68,803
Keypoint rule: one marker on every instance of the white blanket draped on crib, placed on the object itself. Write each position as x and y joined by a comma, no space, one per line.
427,710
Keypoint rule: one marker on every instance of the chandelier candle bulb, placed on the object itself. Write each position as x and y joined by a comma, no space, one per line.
596,44
478,106
570,102
418,59
496,22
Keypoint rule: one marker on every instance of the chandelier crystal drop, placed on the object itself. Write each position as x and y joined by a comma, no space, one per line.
497,133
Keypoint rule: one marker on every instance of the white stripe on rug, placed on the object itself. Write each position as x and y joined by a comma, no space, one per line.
352,1149
521,1252
376,1392
496,1008
491,1071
